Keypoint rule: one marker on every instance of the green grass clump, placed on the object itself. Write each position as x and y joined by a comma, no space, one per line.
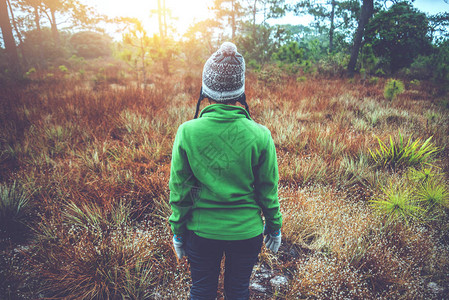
423,174
374,80
401,154
301,79
433,194
421,196
415,83
396,203
393,88
430,191
94,219
13,207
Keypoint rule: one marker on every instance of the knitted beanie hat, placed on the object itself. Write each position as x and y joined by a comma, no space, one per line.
224,76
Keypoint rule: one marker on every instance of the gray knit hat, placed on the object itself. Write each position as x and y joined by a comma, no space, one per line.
224,76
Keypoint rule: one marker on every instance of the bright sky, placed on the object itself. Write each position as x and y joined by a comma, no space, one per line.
190,11
431,6
186,12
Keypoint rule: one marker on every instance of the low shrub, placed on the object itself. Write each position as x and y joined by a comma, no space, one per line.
393,88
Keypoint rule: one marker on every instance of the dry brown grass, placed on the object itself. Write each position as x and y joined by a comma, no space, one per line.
105,152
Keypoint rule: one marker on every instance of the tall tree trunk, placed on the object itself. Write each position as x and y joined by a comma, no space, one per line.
54,26
13,21
142,57
39,34
164,11
254,18
37,19
365,15
332,28
162,36
8,38
159,18
19,35
233,20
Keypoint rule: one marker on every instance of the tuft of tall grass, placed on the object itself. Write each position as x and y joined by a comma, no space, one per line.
332,144
321,219
304,170
285,126
58,138
394,259
94,160
423,174
14,206
400,154
396,203
134,122
357,176
387,117
97,253
433,196
360,125
90,216
358,169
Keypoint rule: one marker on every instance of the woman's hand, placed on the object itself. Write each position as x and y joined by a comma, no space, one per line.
178,244
273,240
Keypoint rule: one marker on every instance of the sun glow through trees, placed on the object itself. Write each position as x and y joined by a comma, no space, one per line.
181,13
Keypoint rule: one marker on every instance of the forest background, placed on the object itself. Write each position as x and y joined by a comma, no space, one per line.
357,102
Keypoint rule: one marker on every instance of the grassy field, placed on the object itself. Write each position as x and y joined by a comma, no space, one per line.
84,172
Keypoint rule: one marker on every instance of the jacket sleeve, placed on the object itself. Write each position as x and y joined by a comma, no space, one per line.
266,186
182,187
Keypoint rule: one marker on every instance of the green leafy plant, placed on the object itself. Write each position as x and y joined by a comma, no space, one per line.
301,79
393,88
290,53
368,60
363,73
253,64
401,154
415,83
380,72
82,74
63,69
30,72
373,80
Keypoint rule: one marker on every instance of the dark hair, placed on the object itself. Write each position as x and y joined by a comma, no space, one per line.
241,99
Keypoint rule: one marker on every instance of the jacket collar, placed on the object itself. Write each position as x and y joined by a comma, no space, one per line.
224,111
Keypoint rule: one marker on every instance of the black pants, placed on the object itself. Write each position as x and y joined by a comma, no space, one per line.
205,257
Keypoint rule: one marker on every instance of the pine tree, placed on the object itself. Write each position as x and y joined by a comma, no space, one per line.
8,38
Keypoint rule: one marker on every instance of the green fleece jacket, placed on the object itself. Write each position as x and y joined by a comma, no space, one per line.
224,175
